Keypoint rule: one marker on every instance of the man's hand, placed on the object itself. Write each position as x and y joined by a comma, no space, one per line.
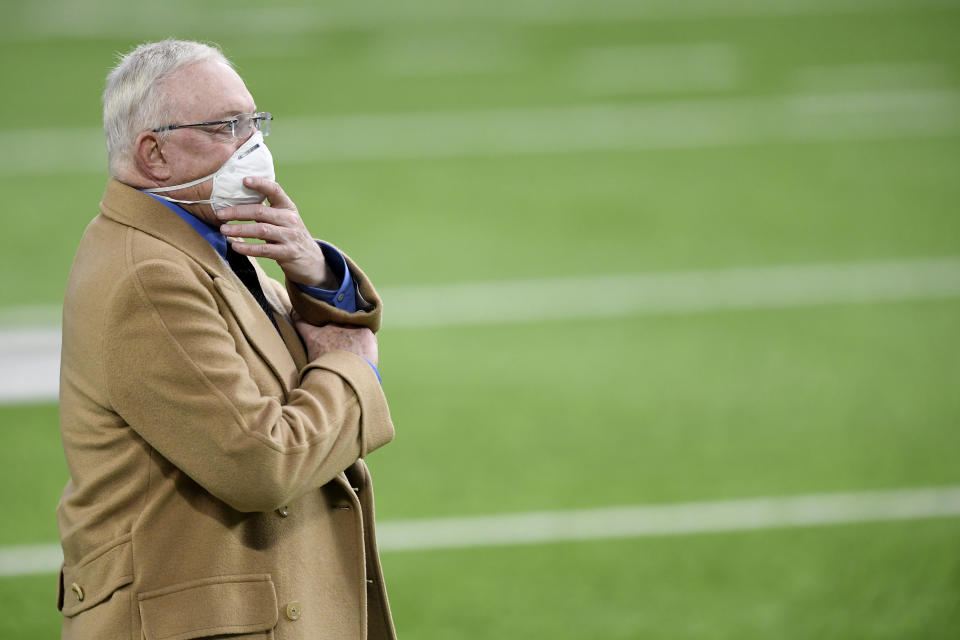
334,337
285,237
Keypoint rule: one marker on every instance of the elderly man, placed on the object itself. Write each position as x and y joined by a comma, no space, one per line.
214,421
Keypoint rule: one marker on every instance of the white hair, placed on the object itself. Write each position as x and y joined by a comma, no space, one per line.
134,100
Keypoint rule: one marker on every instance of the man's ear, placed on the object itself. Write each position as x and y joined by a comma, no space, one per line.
149,158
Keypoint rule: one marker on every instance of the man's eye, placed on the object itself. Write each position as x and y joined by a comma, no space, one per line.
219,130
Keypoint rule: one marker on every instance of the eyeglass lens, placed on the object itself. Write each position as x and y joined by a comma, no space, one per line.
246,123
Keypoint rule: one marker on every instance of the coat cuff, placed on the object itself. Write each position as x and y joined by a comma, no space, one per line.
376,427
319,313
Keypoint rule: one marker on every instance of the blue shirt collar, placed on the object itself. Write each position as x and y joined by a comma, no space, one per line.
209,232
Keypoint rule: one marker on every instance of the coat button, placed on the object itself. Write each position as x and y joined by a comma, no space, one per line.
284,510
293,611
340,298
77,589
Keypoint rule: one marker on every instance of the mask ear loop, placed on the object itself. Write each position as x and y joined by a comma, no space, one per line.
181,186
157,191
169,199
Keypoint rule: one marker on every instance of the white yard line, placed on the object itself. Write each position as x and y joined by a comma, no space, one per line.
657,68
889,76
131,21
447,54
532,301
30,357
688,518
676,124
670,519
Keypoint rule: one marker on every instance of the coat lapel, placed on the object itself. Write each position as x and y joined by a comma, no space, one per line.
258,329
131,207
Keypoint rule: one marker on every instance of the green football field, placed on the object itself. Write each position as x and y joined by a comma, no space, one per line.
640,220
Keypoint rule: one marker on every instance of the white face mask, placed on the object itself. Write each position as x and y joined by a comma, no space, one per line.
251,159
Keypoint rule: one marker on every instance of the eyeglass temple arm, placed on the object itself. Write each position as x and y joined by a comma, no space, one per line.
262,115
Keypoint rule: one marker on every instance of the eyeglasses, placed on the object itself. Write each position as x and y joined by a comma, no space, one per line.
241,125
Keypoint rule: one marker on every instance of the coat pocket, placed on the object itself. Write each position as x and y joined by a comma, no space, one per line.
97,576
225,605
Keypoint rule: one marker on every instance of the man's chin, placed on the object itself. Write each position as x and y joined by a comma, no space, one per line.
202,211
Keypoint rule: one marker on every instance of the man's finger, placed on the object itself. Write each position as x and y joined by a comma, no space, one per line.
275,194
255,212
260,231
260,250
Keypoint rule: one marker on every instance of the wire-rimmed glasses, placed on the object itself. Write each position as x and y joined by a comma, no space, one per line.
241,125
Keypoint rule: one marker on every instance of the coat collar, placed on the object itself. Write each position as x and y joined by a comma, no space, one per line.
133,208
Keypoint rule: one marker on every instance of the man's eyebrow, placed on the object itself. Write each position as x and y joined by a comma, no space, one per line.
225,115
231,113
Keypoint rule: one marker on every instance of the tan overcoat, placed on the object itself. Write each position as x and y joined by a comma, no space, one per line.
217,486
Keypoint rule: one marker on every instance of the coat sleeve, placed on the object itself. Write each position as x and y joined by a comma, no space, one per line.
174,375
319,313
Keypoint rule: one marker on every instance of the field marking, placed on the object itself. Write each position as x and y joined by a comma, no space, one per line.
494,132
30,356
670,519
447,54
674,124
537,300
657,68
131,21
662,520
904,75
